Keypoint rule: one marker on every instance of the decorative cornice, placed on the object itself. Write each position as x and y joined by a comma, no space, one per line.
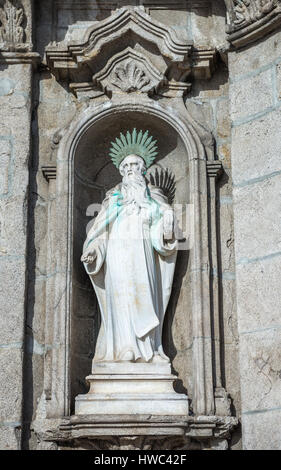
90,65
203,63
174,89
112,29
20,58
214,168
49,172
250,20
94,427
135,19
85,90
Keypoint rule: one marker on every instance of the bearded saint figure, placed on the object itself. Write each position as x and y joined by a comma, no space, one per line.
130,255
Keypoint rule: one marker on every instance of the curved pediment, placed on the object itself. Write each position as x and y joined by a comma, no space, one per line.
147,51
136,20
104,36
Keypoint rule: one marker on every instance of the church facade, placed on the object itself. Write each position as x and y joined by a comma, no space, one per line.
203,77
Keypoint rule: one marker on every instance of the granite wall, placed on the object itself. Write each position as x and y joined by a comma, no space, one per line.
237,106
256,170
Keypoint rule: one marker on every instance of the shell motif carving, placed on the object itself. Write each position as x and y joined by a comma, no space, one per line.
129,77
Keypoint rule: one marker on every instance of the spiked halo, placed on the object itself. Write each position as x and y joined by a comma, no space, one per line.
137,143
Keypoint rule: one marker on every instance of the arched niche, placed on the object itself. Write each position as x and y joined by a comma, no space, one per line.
93,175
84,173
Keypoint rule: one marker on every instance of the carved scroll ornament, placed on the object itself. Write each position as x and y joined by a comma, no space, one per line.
11,17
250,20
249,11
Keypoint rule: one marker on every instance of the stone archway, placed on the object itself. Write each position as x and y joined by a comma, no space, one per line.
203,398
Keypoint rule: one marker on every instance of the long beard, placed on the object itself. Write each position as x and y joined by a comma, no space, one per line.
134,191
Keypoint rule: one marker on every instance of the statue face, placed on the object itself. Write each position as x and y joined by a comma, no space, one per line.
131,165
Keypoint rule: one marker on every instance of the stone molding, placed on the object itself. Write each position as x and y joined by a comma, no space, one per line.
135,19
214,168
11,58
138,72
113,28
49,172
250,20
141,432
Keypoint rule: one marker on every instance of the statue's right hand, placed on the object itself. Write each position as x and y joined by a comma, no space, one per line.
88,257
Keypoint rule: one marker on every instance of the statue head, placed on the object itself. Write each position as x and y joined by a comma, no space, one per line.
132,165
136,144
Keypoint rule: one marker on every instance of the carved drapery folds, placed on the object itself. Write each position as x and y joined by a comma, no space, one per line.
249,20
155,58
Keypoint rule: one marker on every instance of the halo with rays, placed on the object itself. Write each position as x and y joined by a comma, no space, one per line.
137,143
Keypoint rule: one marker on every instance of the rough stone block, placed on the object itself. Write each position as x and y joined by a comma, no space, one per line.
9,437
257,226
256,148
224,153
260,358
223,120
259,294
251,95
262,431
13,213
259,55
11,384
5,166
226,234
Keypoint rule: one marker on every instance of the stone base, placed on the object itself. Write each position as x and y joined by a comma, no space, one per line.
136,432
130,389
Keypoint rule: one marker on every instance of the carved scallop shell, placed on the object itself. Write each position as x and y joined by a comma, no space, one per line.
130,77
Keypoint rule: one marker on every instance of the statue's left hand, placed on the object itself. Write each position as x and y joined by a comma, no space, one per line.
88,257
168,224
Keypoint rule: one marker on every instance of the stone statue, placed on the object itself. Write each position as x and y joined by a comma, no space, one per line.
130,255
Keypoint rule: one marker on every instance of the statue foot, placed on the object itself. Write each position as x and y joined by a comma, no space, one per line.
128,356
158,358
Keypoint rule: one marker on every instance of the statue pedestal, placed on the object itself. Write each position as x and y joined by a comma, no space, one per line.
131,388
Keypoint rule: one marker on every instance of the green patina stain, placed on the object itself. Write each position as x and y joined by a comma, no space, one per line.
6,86
136,143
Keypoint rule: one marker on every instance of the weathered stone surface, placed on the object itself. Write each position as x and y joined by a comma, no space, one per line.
256,171
260,202
12,291
223,120
262,377
262,430
257,148
251,96
260,306
247,269
9,437
11,380
243,61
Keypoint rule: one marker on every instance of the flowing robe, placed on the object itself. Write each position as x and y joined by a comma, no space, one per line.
132,275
